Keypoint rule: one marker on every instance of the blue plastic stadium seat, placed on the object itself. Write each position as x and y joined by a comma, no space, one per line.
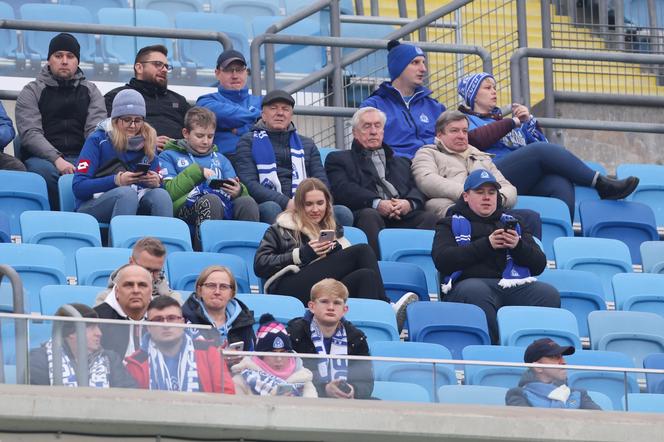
452,324
655,382
610,383
555,219
498,376
94,265
650,190
472,394
52,297
645,403
21,191
402,277
636,334
172,8
375,64
375,318
203,53
583,193
125,230
652,256
239,238
400,391
355,235
603,401
247,9
282,307
580,293
601,256
521,325
413,246
324,152
96,5
5,231
629,222
8,41
421,373
640,292
184,268
68,231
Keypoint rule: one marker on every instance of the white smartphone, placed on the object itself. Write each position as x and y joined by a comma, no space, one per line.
237,346
326,235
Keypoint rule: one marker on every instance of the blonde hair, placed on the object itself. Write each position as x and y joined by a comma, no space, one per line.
304,225
330,287
207,271
120,139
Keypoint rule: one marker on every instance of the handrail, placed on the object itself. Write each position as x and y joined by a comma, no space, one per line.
20,327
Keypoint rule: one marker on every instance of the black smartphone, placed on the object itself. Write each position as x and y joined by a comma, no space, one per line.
343,386
228,182
143,167
216,184
511,224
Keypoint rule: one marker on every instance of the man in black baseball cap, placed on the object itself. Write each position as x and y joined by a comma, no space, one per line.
235,108
547,387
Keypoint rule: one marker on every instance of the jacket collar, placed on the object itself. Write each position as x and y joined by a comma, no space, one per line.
146,87
49,79
358,149
232,94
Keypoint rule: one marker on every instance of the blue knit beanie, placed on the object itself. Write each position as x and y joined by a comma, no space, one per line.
469,85
399,56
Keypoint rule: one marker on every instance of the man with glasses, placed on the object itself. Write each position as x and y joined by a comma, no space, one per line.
165,108
235,108
55,113
169,359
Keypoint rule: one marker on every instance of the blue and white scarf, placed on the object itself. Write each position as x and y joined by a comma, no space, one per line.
513,275
266,163
98,367
186,379
543,395
331,369
266,384
204,188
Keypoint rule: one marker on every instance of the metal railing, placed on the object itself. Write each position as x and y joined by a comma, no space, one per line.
20,327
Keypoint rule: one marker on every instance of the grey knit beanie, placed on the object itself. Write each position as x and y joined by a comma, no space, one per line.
128,102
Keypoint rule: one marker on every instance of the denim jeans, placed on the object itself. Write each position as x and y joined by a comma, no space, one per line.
123,200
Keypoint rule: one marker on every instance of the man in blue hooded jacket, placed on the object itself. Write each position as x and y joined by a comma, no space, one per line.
411,112
235,108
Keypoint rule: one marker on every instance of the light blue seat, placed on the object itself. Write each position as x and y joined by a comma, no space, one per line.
239,238
413,246
324,152
5,231
247,9
637,334
94,265
601,256
655,382
652,256
629,222
402,277
603,401
375,318
125,230
521,325
555,219
452,324
497,376
96,5
650,190
68,231
282,307
172,8
184,268
640,292
580,292
400,391
373,65
422,373
8,41
610,383
21,191
37,265
66,196
355,235
583,193
203,53
472,394
52,297
645,403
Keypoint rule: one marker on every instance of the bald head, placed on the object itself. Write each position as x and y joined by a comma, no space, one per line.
133,290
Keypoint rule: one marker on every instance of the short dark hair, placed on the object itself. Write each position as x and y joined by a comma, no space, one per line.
162,301
447,117
69,328
142,53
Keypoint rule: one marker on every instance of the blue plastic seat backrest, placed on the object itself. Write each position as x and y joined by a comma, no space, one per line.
375,318
521,325
282,307
402,277
125,230
54,296
400,391
21,191
5,230
645,403
94,265
8,40
375,64
184,268
472,394
555,218
655,382
650,190
603,400
171,8
642,292
498,376
355,235
652,255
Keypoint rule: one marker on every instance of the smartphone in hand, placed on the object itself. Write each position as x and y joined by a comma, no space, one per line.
511,224
143,168
326,235
343,386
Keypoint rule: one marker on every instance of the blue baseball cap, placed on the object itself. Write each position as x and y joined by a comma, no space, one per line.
477,178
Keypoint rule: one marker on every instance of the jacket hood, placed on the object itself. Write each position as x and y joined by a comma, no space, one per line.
386,89
49,79
232,94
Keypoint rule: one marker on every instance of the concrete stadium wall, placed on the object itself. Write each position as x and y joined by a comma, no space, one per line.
32,413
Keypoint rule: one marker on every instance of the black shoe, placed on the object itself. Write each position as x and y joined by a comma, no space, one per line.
612,189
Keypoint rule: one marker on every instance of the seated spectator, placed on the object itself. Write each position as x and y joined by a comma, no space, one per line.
306,245
522,152
192,167
149,253
109,180
235,108
374,183
169,359
323,330
165,108
547,387
410,111
485,255
214,303
55,113
105,368
278,375
273,159
132,294
7,134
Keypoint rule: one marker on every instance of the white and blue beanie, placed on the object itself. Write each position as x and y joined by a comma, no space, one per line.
469,85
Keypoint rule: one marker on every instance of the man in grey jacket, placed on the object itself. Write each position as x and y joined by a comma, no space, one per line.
56,112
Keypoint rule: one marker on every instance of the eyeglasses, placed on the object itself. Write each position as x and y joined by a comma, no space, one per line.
222,286
159,64
234,70
129,121
169,318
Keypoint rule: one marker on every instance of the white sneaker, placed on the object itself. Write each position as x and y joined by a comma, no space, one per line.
400,307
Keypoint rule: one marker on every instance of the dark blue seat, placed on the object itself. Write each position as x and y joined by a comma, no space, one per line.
555,219
282,307
650,190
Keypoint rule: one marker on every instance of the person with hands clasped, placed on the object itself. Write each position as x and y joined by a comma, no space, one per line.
117,172
487,259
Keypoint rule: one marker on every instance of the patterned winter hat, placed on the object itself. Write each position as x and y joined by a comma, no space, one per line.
272,335
469,85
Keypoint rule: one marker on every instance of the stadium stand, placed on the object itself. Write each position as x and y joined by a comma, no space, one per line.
54,296
125,230
640,292
94,265
355,235
282,307
497,376
402,277
19,192
375,318
654,382
555,219
650,190
520,325
652,255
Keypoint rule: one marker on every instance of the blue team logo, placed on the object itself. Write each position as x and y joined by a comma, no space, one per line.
424,118
183,162
419,51
252,108
214,163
